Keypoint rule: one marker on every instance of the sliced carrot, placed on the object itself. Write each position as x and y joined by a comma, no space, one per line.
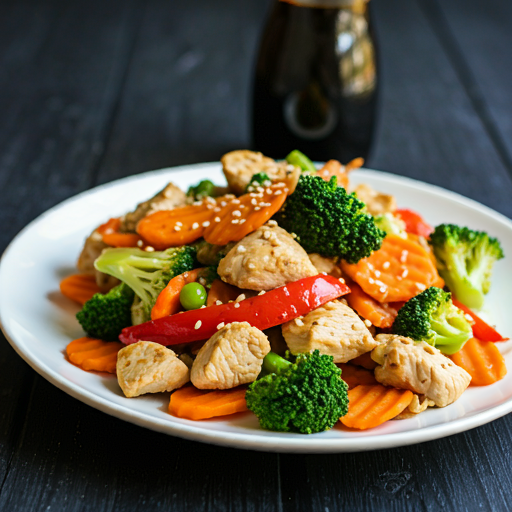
197,404
365,360
370,406
221,291
398,271
379,314
94,354
79,287
111,226
121,239
482,360
168,301
356,376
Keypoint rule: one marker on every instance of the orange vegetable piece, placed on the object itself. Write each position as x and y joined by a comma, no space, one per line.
79,287
482,360
379,314
111,226
168,301
365,360
109,232
370,406
355,376
398,271
222,291
335,168
198,404
94,354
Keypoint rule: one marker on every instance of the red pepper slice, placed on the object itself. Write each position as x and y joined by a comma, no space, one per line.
481,330
414,222
263,311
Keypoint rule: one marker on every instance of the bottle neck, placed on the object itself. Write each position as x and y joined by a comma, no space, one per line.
355,5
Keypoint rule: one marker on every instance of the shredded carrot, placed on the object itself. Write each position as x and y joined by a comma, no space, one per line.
482,360
168,301
398,271
379,314
197,404
222,291
356,376
370,406
365,360
94,354
79,287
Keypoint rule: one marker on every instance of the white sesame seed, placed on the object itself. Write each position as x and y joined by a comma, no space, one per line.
235,201
278,192
341,280
262,292
217,219
195,225
140,243
149,249
386,265
237,304
294,235
221,325
267,183
217,209
405,272
177,228
223,203
285,290
235,221
197,203
236,213
218,302
272,223
242,221
468,317
382,289
420,286
203,306
254,201
240,297
178,223
266,235
198,324
251,266
371,280
260,190
241,248
202,281
377,273
403,257
299,322
279,185
206,223
367,323
210,200
379,283
257,208
209,206
268,191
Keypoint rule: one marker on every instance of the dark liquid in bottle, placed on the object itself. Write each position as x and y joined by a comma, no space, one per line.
315,84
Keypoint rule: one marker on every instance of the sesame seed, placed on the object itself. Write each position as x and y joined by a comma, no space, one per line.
371,280
140,243
209,206
254,201
218,302
216,210
262,292
217,219
290,167
403,257
241,248
210,200
202,281
250,188
203,306
267,183
237,304
285,290
242,206
294,235
299,322
149,249
235,201
198,324
379,283
266,235
341,280
278,192
195,225
279,185
382,289
178,223
221,325
272,223
468,317
268,191
223,203
251,266
197,203
206,223
240,297
420,286
367,323
242,221
386,265
377,273
177,228
236,213
260,190
235,221
257,208
405,272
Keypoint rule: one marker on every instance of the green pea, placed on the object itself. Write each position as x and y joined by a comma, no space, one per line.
193,296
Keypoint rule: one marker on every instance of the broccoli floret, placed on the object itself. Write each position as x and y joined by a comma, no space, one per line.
432,317
202,189
105,316
329,221
208,275
306,396
299,159
259,179
465,259
391,225
146,273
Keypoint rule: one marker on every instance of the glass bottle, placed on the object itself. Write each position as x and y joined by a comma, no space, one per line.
315,86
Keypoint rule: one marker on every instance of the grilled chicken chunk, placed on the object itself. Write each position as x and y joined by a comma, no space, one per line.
232,356
328,265
420,367
147,367
266,259
334,329
377,203
240,166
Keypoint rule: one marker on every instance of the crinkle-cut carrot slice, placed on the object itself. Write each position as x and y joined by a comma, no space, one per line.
356,376
379,314
121,239
398,271
370,406
482,360
365,360
224,292
197,404
94,354
79,287
111,226
245,214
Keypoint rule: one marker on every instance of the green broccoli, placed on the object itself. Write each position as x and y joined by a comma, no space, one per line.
146,273
306,396
299,159
329,221
259,179
104,316
432,317
465,259
391,225
202,189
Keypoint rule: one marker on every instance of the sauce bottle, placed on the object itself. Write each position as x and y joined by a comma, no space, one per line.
315,86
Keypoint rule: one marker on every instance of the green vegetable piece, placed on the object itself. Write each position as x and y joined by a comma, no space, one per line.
193,296
305,396
465,259
299,159
104,316
202,189
146,273
259,179
329,221
391,225
432,317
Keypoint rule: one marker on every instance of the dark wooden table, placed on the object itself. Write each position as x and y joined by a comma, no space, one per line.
93,90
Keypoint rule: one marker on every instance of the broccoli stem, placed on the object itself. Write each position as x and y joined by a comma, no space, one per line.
299,159
273,363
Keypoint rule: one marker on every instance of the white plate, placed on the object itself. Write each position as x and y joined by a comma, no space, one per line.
39,322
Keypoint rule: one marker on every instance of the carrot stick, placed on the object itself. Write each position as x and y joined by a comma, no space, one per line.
355,376
370,406
398,271
221,291
168,301
94,354
79,287
196,404
381,315
482,360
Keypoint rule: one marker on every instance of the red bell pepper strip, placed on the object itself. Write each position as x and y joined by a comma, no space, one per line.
275,307
481,330
414,222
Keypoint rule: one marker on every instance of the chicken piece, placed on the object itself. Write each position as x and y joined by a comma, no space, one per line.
266,259
167,199
232,356
420,367
334,329
377,203
241,165
93,247
418,404
147,367
328,265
